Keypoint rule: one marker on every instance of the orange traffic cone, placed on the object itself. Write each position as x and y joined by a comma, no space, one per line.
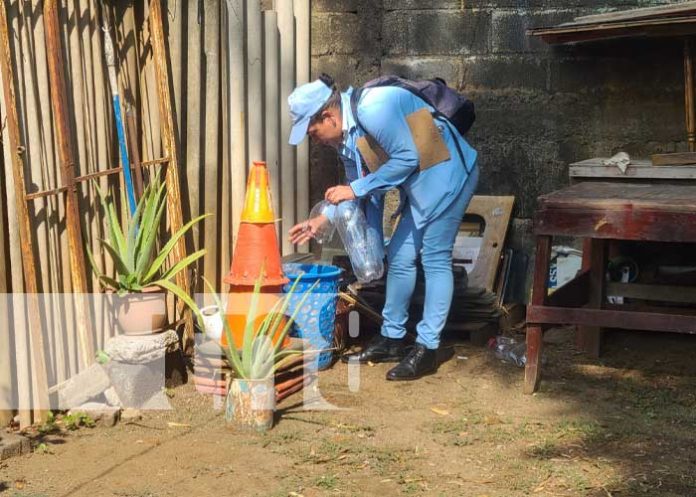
256,250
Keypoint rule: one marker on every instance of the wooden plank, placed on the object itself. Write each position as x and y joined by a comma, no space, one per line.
572,294
224,209
303,63
678,159
169,145
238,131
211,161
496,212
286,27
59,102
680,9
274,109
535,333
628,320
575,33
657,293
255,84
30,280
6,376
588,338
689,94
624,224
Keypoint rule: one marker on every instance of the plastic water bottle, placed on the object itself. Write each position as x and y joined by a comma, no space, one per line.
362,243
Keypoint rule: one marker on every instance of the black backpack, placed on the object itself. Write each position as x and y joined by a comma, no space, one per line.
447,102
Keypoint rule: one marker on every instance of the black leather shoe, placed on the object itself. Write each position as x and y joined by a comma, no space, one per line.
419,362
380,349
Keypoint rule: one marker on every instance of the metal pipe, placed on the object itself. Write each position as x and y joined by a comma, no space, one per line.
118,116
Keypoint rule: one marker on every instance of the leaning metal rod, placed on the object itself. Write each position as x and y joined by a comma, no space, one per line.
87,177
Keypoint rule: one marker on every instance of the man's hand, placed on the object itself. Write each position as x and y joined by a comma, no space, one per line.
338,194
305,231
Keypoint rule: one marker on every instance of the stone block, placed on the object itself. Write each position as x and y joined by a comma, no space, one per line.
437,32
141,349
13,445
102,414
139,385
81,387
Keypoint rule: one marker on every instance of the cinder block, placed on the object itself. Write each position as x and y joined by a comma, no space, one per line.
509,28
425,4
437,32
448,68
335,34
336,5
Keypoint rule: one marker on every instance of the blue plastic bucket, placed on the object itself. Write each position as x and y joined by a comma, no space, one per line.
316,318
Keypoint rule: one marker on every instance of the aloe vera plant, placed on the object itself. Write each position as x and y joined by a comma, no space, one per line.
132,246
258,356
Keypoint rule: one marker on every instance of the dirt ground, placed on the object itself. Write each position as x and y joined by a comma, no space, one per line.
623,425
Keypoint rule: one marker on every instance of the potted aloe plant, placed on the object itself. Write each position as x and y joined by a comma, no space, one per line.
250,403
141,280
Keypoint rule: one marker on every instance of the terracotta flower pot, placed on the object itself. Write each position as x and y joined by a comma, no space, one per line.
250,404
141,313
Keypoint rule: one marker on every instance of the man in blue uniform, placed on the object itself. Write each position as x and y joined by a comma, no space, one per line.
383,150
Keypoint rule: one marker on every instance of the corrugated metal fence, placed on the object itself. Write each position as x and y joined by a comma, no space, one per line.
233,63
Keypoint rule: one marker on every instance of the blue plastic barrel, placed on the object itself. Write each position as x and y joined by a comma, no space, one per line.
316,318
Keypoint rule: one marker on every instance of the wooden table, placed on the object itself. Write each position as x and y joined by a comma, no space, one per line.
600,211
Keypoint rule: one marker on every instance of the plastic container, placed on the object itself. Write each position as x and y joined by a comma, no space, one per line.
363,244
326,229
316,318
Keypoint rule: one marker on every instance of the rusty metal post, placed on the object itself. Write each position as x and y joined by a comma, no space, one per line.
59,103
689,93
28,263
169,145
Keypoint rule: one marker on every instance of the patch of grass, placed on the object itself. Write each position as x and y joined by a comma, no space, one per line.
50,425
326,482
76,420
544,450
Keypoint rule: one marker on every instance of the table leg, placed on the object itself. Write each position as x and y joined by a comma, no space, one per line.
532,370
589,337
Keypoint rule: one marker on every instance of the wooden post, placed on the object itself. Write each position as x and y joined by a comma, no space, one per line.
28,263
169,145
535,332
589,337
64,138
689,93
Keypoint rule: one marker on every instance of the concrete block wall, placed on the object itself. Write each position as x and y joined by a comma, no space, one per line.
539,108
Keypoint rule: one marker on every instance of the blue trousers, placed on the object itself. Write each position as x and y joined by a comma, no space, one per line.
434,242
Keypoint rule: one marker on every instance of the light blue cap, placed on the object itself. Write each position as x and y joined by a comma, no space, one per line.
304,102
